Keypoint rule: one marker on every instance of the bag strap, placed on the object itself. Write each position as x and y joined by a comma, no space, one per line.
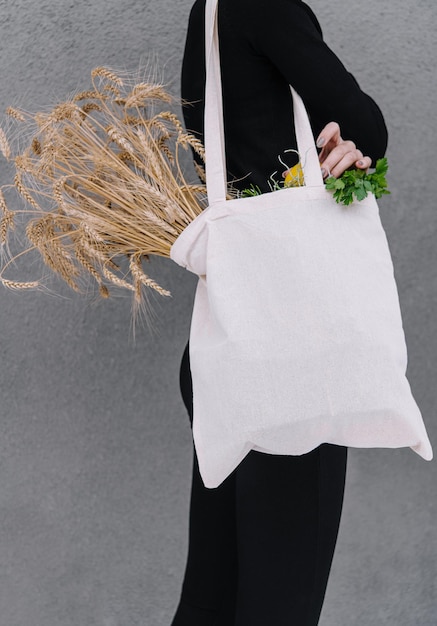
215,159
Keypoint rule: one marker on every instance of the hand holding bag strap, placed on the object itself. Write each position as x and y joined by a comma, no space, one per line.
215,164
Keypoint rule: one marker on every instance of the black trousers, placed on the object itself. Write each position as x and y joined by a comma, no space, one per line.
261,544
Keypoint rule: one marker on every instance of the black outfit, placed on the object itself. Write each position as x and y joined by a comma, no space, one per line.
265,45
261,544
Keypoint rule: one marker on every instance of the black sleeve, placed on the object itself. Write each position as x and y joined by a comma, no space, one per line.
289,35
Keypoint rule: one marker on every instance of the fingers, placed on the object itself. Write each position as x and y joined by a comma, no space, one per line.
346,161
329,134
364,163
337,155
328,139
340,158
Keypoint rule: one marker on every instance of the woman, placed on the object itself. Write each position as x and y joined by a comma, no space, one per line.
261,544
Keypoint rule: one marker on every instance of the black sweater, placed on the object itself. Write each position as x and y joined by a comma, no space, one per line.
265,45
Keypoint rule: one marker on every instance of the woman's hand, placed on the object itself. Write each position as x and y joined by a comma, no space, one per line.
337,155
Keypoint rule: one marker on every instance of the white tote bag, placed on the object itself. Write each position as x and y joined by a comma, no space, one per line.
296,335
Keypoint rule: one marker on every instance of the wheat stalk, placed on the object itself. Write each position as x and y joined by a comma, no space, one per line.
16,285
113,89
103,72
23,191
91,106
143,92
4,145
142,278
6,224
3,205
12,112
87,95
101,179
36,146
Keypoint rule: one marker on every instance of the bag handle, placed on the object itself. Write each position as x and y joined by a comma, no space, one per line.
215,159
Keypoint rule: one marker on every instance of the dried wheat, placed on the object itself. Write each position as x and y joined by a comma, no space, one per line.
200,171
91,106
113,89
3,205
187,139
16,285
23,162
17,115
85,261
4,145
116,280
6,223
88,95
64,111
142,278
36,146
105,184
146,91
171,117
103,72
22,190
115,135
104,291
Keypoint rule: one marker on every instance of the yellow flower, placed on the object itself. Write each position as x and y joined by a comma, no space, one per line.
294,177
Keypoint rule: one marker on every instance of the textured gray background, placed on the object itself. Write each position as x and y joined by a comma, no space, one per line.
95,444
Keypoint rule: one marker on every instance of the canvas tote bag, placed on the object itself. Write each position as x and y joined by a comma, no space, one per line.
296,335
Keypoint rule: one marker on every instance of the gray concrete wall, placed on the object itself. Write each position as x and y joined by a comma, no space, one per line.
95,444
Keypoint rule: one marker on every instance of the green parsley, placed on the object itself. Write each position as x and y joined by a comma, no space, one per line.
351,185
359,184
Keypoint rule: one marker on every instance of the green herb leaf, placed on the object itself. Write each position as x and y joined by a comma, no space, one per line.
351,185
359,184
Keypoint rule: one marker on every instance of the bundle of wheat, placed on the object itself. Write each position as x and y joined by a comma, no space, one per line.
101,180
